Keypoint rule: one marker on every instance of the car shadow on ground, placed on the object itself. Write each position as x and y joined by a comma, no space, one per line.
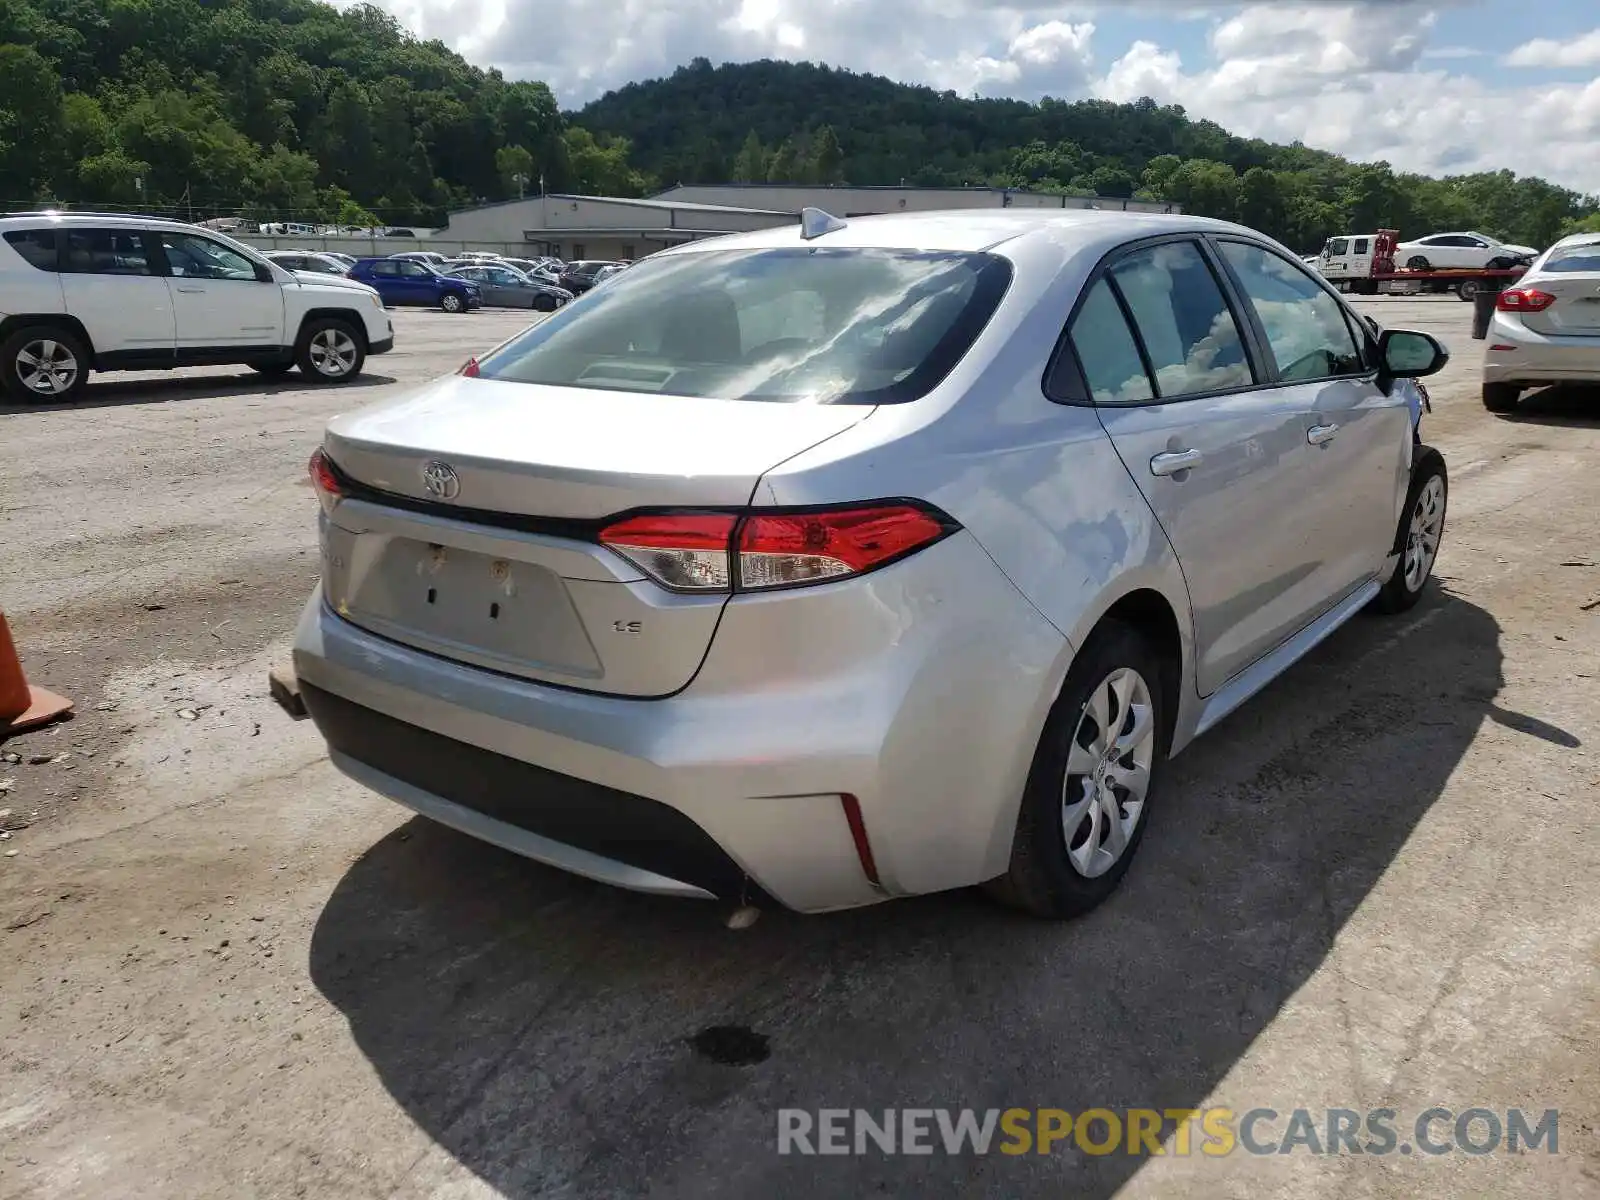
1564,404
162,389
536,1026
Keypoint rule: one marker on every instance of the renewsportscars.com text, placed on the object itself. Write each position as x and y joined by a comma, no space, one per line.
1152,1132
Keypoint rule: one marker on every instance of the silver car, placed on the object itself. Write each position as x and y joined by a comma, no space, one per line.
1546,328
504,287
834,563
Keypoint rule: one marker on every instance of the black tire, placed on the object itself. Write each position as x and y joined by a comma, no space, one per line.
1468,290
1417,263
1501,397
1042,879
1401,593
1501,263
274,368
325,338
544,304
453,302
67,352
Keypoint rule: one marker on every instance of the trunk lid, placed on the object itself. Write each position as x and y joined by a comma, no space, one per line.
496,566
1576,311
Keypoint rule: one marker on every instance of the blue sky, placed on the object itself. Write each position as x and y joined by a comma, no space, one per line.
1449,85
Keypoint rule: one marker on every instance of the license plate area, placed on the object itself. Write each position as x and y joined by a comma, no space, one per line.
501,612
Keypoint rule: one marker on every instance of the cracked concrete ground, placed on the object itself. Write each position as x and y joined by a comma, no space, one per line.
227,971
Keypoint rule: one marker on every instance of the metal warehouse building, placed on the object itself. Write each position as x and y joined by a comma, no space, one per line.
607,227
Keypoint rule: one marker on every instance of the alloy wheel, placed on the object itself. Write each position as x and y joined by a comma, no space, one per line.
46,367
333,352
1108,772
1422,538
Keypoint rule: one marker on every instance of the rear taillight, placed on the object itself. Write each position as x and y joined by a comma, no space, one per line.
324,479
776,548
1524,300
684,551
780,550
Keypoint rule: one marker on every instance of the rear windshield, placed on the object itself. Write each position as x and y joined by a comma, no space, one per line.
798,324
1573,258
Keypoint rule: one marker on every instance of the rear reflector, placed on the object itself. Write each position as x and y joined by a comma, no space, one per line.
858,834
1524,300
773,548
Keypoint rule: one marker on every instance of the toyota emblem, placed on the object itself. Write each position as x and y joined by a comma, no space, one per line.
441,480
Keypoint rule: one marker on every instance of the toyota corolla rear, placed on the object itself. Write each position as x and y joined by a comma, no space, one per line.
560,612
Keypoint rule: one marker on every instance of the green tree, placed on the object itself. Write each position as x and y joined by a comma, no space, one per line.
30,122
1205,188
827,156
1158,173
515,164
784,166
750,164
1261,202
599,166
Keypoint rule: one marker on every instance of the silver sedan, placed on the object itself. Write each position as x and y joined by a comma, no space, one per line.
853,560
1546,329
506,287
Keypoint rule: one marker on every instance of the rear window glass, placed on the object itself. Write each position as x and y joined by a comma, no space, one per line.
805,324
37,247
1573,259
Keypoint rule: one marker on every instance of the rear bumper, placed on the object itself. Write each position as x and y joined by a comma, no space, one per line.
1536,357
612,836
919,689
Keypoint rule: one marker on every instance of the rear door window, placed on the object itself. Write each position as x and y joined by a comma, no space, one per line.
1107,352
105,252
36,246
1305,326
1189,334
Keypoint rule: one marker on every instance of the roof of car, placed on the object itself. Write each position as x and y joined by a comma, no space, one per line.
31,220
968,230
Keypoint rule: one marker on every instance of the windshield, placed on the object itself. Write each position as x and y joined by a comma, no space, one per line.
1574,259
834,325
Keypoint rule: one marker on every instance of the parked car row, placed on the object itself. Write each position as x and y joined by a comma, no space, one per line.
460,284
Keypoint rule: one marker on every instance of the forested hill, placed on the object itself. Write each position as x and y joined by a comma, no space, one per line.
279,108
799,122
291,109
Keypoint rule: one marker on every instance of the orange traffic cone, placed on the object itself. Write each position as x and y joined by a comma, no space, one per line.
23,707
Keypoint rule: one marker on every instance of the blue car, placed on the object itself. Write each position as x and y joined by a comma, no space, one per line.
403,281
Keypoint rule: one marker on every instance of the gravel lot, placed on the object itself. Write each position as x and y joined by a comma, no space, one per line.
226,971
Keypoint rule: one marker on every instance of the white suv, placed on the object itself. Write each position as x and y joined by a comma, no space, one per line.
90,291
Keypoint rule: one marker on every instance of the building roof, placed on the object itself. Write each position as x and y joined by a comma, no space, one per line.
640,202
557,232
666,205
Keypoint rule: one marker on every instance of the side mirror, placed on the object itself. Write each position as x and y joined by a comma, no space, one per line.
1406,354
263,272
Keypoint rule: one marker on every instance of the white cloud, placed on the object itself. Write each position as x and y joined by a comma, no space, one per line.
1359,77
1548,52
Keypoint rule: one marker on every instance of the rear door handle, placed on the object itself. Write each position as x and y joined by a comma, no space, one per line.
1173,461
1321,435
192,290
